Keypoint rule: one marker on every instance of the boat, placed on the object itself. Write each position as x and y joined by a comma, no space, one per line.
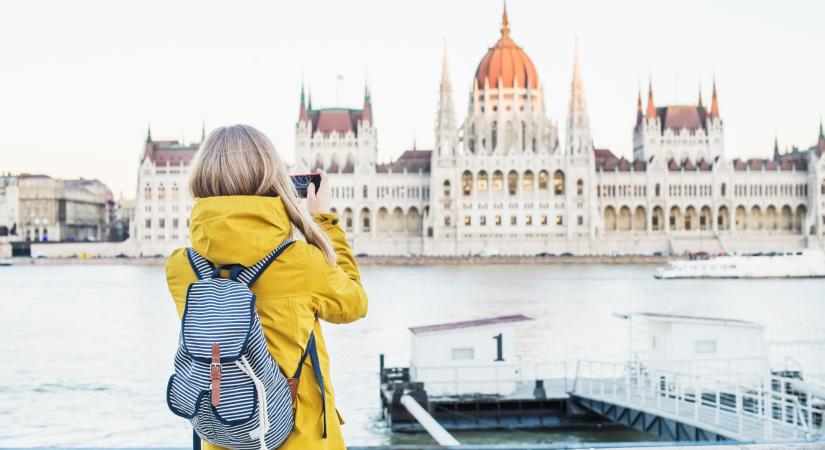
795,264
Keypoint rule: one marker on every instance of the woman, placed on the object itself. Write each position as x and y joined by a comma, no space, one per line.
245,206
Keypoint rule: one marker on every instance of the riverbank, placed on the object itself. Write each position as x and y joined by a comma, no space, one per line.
382,260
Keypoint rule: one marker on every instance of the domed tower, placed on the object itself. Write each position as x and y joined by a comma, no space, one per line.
506,108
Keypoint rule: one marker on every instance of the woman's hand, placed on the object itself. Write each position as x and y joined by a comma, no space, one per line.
319,203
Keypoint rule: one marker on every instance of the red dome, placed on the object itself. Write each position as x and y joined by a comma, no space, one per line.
507,61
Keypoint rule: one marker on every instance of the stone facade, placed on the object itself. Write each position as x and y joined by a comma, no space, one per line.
38,208
505,182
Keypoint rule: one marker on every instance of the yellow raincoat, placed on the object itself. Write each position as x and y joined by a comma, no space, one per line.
299,288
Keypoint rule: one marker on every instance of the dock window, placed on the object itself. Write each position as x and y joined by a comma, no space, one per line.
463,354
708,346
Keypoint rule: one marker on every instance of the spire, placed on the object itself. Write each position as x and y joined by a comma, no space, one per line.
651,108
505,23
775,147
309,99
821,132
445,73
203,131
714,102
639,114
366,114
302,110
579,140
700,95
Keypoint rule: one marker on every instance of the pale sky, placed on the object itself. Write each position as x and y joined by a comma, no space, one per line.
80,80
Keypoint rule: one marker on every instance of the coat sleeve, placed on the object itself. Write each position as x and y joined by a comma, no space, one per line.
337,290
179,275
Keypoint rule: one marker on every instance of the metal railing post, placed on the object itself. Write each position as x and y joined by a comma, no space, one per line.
739,411
697,399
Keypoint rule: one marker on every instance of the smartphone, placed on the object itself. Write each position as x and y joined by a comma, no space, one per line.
303,180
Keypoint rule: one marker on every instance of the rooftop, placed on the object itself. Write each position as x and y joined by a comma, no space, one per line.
696,319
470,324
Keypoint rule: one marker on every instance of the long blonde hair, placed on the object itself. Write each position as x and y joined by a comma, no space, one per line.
240,160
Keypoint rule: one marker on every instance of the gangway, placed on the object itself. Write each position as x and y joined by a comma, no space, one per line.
689,407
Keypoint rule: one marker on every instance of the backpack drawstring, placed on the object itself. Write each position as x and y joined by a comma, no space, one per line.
262,429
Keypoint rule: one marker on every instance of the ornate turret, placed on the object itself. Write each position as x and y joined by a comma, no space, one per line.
579,140
445,128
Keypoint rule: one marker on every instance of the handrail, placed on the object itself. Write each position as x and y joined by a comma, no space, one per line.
774,409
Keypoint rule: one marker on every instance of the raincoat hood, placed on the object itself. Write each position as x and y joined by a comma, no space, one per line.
238,229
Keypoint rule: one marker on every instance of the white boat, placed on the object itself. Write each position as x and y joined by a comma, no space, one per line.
797,264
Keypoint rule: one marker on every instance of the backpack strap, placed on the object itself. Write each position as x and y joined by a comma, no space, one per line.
250,275
312,352
200,265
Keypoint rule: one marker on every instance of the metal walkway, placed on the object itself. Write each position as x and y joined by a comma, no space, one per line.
680,406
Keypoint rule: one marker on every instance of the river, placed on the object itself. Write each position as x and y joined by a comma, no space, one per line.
86,350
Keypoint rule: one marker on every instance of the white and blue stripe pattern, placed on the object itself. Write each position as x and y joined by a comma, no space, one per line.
222,311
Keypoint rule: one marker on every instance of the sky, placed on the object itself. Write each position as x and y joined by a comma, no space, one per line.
80,81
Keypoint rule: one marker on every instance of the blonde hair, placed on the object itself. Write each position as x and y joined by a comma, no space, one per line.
240,160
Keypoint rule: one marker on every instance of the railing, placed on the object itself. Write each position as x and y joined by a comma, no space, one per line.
777,409
452,380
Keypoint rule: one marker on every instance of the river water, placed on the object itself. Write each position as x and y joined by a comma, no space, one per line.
85,351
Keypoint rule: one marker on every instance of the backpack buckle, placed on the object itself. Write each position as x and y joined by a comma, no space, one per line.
215,371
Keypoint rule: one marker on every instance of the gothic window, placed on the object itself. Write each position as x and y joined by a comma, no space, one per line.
558,182
579,187
494,137
175,191
148,223
658,189
535,145
447,221
512,182
498,181
468,221
364,191
147,192
482,181
161,192
446,188
467,183
527,181
544,178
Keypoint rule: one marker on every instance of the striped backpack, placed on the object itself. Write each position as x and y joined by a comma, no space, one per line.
225,382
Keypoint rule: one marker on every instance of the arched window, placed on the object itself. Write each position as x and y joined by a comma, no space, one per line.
467,183
482,181
498,181
579,187
544,180
558,182
512,182
494,137
658,189
175,191
161,192
147,192
365,192
724,189
527,181
365,220
446,188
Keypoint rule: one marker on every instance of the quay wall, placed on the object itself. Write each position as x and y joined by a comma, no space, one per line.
374,260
